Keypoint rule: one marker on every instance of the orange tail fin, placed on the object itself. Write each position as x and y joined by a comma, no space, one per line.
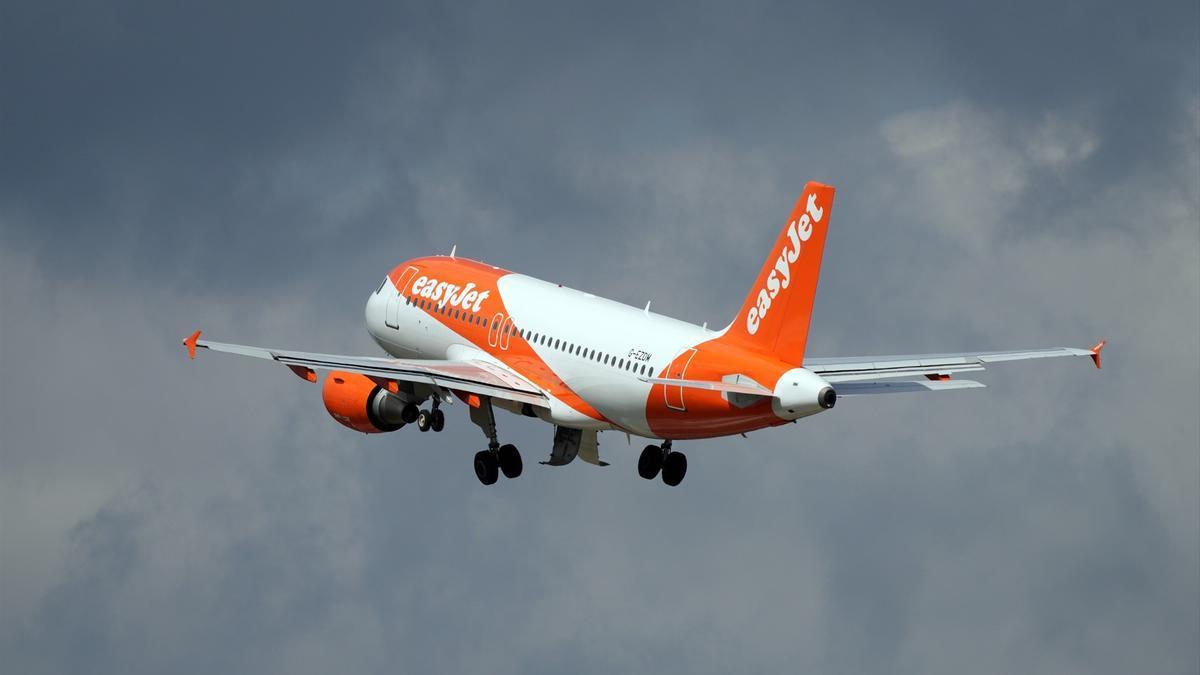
775,316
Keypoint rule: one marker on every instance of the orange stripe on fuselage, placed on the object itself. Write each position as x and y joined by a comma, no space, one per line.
467,290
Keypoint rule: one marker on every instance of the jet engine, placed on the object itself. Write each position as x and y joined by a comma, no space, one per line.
356,401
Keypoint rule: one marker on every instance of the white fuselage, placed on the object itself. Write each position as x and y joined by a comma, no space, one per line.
580,323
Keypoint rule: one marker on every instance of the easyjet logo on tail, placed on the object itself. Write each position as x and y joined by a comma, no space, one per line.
799,231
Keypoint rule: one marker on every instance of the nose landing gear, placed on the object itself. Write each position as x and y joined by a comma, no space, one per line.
656,459
431,419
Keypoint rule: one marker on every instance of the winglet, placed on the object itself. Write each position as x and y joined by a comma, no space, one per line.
190,343
1096,352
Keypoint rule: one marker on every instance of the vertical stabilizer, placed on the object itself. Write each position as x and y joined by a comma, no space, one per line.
775,316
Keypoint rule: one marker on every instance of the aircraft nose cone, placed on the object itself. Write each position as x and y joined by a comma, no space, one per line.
374,311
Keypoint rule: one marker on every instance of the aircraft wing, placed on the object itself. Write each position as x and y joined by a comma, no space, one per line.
476,377
859,375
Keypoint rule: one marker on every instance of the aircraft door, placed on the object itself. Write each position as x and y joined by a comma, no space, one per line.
494,330
506,331
677,371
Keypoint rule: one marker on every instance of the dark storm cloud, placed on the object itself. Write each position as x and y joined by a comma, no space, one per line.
1009,175
175,137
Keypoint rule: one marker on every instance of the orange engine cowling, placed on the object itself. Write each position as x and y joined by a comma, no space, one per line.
357,402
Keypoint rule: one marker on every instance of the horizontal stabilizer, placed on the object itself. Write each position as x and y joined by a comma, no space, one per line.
903,386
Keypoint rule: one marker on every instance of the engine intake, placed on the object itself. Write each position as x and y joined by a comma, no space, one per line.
357,402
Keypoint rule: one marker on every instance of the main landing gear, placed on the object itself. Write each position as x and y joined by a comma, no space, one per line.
497,459
490,463
655,459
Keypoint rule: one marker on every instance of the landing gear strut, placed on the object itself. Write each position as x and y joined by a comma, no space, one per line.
497,458
655,459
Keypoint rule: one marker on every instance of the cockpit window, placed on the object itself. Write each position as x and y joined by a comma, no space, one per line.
381,285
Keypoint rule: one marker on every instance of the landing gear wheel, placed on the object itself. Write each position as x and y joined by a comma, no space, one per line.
410,413
439,420
424,420
486,467
651,462
674,468
510,460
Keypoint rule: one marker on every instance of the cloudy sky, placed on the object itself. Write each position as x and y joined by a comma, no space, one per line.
1011,175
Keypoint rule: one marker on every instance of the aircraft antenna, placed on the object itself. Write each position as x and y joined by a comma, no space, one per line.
453,249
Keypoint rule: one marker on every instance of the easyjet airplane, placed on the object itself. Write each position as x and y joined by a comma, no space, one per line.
495,339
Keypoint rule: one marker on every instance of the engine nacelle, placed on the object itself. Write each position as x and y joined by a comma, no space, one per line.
800,393
357,402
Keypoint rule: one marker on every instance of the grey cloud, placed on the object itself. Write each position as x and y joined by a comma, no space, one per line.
1008,176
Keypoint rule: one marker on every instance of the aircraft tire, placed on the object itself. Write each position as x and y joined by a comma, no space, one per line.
651,462
674,468
424,420
439,420
510,460
486,467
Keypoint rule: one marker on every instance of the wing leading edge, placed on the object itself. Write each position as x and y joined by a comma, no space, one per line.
476,377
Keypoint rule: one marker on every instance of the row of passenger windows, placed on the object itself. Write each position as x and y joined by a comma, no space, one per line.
585,353
534,338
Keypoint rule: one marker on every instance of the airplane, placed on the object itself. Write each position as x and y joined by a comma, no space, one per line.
494,339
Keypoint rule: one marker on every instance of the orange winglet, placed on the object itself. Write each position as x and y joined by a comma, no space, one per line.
304,373
1096,352
190,343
